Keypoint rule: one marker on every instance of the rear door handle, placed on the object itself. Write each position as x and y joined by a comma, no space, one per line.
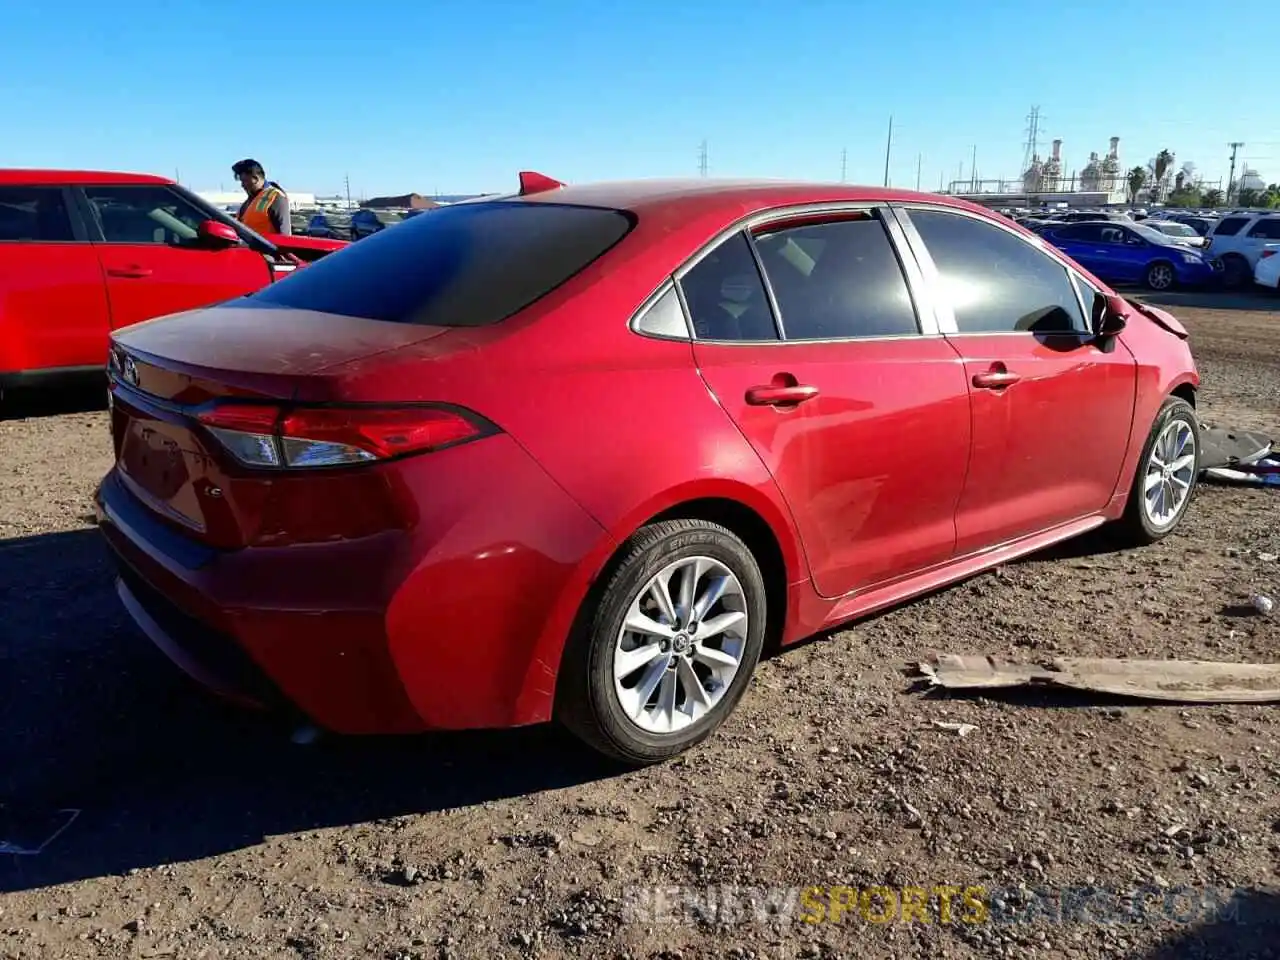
129,272
773,395
995,379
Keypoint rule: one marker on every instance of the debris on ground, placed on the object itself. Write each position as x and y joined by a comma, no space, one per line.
1262,603
959,729
1185,681
1233,456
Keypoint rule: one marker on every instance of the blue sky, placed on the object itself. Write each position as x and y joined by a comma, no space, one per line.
457,97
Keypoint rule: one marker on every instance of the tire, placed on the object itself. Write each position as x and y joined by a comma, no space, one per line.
1160,276
1235,271
615,722
1138,526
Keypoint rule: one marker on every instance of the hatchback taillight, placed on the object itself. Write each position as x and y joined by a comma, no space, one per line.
277,437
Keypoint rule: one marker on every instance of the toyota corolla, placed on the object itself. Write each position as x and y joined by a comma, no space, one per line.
583,452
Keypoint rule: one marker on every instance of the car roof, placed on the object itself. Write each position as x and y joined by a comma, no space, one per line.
732,198
19,177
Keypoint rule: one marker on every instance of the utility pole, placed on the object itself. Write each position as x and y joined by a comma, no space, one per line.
346,179
919,162
177,176
973,171
888,145
844,164
1231,178
702,159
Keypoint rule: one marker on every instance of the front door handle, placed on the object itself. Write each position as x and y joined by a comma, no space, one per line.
130,271
996,378
775,395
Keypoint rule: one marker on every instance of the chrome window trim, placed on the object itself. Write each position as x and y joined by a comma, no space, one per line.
923,302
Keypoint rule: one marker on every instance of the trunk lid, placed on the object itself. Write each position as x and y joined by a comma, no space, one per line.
162,370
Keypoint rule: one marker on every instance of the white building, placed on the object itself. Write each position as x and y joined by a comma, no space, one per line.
297,199
1249,180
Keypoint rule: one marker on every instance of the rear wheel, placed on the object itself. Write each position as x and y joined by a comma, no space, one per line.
1166,476
670,646
1235,270
1160,275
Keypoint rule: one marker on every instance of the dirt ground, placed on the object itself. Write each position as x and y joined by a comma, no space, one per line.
203,832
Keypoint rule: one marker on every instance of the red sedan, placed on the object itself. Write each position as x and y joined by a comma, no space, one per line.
582,452
83,253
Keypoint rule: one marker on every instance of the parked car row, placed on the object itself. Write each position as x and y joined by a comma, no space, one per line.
83,254
354,226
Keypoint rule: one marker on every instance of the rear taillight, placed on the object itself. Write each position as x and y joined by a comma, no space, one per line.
275,437
1267,253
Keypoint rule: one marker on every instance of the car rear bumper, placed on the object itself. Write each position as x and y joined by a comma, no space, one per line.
409,630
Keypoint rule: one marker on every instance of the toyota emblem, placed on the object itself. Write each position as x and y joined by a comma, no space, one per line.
130,371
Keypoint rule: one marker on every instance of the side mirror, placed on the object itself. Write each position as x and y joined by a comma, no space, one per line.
1107,316
215,233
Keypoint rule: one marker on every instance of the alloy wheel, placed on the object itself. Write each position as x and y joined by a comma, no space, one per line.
1160,277
681,645
1171,467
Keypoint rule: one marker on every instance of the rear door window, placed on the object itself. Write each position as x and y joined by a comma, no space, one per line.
726,297
1230,226
34,215
1268,228
837,280
467,265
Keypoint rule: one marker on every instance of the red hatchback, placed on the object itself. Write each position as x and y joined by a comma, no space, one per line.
582,452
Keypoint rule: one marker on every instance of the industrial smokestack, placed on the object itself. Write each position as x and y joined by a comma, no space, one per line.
1057,149
1115,146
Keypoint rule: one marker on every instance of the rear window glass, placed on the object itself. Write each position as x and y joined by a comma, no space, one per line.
467,265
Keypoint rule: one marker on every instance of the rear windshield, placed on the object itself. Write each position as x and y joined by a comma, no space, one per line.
465,265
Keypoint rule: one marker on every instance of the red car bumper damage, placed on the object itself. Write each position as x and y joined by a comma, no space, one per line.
442,626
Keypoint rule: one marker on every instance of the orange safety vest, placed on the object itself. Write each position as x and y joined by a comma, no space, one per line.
255,215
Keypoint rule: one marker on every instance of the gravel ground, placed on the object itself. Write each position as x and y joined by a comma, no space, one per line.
203,832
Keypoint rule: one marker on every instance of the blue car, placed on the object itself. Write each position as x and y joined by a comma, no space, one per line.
1132,253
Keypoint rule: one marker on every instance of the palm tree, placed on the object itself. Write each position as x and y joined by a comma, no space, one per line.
1160,167
1137,177
1213,198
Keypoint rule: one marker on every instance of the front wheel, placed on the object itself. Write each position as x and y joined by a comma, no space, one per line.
1166,476
670,646
1160,276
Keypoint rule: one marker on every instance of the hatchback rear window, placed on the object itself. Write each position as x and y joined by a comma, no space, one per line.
467,265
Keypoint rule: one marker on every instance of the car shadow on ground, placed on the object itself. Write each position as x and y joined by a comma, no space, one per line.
82,394
1241,926
96,720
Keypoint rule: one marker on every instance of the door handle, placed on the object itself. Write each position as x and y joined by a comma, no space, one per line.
996,379
129,272
774,395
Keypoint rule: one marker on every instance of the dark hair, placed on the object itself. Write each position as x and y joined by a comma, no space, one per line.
248,166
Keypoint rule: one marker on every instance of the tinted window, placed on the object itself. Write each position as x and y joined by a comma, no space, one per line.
34,214
144,214
464,266
1087,232
997,282
837,280
1268,228
726,298
1230,226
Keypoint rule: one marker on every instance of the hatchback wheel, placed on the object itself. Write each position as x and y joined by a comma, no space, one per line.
1235,271
1160,276
670,645
1166,475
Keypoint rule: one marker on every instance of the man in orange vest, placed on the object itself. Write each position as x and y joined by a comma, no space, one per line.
267,209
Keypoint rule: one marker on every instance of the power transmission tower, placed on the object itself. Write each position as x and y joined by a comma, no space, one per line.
346,179
844,164
702,159
1032,146
888,145
919,162
1231,177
